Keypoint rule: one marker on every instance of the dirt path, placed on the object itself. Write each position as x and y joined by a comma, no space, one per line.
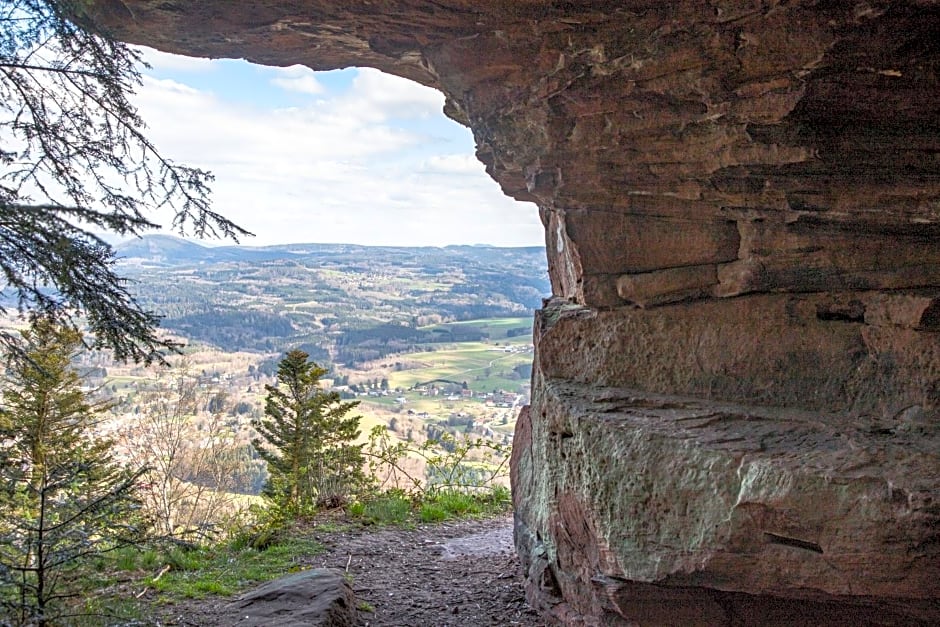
451,574
459,573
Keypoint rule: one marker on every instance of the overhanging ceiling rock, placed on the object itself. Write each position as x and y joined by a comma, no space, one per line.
736,389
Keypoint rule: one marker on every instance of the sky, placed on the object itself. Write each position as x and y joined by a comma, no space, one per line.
349,156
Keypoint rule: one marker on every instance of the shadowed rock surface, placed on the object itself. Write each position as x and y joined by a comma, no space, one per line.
736,394
313,598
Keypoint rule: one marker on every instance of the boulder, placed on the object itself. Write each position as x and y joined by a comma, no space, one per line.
319,597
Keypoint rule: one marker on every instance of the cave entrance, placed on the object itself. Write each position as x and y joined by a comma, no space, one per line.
325,167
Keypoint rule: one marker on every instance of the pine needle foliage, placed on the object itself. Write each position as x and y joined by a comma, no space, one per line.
63,498
74,160
307,438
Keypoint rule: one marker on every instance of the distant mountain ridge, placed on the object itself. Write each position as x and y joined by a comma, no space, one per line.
170,251
159,249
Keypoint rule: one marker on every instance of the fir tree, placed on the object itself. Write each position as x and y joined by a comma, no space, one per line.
307,438
63,498
74,159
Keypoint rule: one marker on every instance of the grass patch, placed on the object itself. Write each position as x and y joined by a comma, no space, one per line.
220,570
447,504
457,504
97,610
478,363
432,512
391,508
395,508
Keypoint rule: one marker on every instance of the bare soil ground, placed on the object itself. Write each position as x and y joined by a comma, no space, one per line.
451,574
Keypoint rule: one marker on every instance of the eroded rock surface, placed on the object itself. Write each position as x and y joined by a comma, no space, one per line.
737,389
716,499
319,597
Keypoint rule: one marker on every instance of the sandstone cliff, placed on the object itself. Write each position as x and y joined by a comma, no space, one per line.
736,410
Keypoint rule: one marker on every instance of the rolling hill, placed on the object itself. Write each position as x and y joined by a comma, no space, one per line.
341,302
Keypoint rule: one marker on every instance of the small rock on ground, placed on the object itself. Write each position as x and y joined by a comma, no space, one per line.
319,597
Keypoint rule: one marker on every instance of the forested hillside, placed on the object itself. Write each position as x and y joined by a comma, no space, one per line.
342,303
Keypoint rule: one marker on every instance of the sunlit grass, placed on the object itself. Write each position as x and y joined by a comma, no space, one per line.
221,570
397,508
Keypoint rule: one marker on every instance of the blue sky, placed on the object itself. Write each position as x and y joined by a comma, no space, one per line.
353,156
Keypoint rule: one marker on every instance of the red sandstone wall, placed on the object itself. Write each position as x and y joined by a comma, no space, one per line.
735,415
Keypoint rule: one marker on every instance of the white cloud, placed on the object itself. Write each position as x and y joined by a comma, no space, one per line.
173,93
165,62
213,131
386,96
341,168
465,165
374,97
299,79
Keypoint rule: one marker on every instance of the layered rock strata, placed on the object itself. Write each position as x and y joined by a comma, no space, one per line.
736,398
646,500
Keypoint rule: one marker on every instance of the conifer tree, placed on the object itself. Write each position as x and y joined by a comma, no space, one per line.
308,438
75,161
63,497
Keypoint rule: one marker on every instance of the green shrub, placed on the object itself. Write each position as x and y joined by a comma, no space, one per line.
127,559
388,509
149,559
267,527
432,512
457,503
500,497
184,559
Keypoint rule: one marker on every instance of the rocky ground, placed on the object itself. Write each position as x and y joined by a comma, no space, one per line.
451,574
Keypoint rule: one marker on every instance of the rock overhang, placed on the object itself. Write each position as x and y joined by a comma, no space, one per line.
742,205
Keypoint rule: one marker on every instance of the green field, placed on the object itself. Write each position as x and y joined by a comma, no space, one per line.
498,362
482,365
495,328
